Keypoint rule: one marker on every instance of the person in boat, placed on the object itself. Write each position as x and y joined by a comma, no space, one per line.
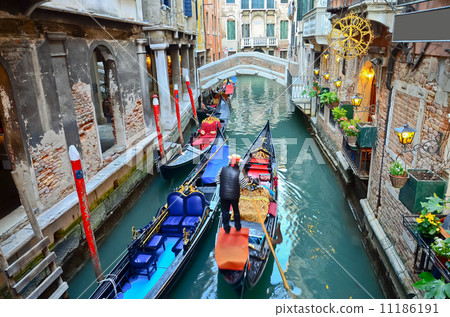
231,180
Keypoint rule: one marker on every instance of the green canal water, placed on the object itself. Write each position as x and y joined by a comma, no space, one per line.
322,254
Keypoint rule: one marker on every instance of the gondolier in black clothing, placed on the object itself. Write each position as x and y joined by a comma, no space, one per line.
231,180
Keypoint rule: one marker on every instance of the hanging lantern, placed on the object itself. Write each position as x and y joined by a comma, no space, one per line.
338,58
405,134
369,73
316,71
326,54
338,83
326,76
356,100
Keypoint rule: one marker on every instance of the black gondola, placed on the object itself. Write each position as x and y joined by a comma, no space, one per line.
260,164
193,151
162,250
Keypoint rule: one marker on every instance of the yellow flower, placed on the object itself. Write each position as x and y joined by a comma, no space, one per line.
430,217
419,220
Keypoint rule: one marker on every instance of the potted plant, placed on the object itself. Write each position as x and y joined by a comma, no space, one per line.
313,90
351,132
330,98
428,225
397,174
420,185
442,249
339,114
433,288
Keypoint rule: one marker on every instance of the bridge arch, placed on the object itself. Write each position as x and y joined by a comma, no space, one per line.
245,63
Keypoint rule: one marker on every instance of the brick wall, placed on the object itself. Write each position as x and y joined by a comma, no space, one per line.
134,119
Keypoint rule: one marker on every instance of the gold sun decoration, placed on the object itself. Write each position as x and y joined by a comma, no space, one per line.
350,36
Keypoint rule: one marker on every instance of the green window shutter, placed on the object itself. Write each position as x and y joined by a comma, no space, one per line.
284,30
231,30
270,30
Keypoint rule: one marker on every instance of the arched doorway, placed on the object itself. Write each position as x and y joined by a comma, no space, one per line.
366,89
9,195
259,50
106,97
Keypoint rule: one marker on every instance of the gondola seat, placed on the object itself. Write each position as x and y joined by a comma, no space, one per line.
175,204
178,246
259,161
195,205
256,170
143,263
156,242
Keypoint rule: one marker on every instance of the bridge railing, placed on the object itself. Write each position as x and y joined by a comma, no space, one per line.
259,41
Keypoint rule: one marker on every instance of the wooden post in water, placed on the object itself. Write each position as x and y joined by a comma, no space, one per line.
158,127
188,84
177,108
85,212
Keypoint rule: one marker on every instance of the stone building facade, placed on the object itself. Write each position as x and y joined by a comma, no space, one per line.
84,74
399,84
256,26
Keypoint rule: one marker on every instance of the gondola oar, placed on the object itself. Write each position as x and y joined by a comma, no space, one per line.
193,177
285,283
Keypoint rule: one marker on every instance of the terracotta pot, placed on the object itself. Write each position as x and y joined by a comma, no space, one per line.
351,139
442,260
398,181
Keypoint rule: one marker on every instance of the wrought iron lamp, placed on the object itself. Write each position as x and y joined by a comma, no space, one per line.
338,58
316,71
406,135
338,82
356,100
326,76
326,54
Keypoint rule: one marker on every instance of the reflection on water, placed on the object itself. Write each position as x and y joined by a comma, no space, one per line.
321,254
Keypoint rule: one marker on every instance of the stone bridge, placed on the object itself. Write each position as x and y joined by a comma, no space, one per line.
253,63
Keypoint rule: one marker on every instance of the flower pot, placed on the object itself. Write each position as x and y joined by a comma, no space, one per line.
398,181
442,260
351,140
333,105
420,185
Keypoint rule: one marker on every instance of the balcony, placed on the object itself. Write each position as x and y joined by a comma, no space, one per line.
316,24
259,41
358,159
335,6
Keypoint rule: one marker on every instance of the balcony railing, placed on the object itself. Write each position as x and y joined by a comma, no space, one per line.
428,260
357,158
259,41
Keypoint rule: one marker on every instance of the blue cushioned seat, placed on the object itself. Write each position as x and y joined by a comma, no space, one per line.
175,204
156,241
195,204
143,263
178,246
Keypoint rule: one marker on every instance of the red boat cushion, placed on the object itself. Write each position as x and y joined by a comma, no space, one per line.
231,251
273,209
259,167
260,161
256,173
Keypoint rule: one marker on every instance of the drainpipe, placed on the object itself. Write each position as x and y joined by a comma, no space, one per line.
390,72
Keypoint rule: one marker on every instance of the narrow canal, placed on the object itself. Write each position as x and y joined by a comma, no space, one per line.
322,253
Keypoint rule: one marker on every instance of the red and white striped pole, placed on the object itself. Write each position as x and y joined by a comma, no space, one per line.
85,212
158,125
177,108
188,84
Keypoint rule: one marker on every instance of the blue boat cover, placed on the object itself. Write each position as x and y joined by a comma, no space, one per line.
216,163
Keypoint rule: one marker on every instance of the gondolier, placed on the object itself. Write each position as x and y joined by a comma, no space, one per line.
231,180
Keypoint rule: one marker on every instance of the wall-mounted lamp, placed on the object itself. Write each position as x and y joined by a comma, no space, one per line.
326,54
356,100
326,76
316,71
369,73
338,82
338,58
406,134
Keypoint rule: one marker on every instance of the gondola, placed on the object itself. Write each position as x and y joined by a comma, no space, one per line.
200,142
161,251
242,256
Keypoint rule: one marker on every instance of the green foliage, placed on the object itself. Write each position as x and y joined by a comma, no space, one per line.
434,204
350,127
312,90
441,247
329,97
397,169
339,114
433,288
428,224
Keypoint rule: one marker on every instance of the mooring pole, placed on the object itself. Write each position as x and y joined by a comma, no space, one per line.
177,108
158,126
188,84
85,212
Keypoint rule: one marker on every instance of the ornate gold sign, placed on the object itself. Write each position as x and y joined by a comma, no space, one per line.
350,36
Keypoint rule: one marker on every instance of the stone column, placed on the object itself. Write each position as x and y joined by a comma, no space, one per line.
142,54
176,70
192,69
162,74
185,65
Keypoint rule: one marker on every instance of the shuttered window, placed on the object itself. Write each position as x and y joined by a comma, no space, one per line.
187,8
270,4
231,30
284,30
245,4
